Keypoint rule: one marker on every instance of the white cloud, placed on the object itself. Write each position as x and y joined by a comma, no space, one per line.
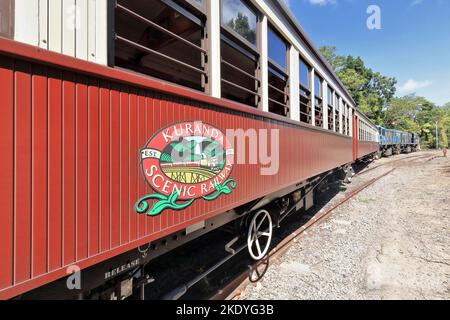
321,2
416,2
412,86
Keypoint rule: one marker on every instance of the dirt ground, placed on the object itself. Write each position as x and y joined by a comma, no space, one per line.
392,241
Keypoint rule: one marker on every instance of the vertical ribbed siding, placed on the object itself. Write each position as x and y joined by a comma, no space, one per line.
6,172
22,171
55,167
70,165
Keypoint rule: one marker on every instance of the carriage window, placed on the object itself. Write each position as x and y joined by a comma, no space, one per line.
277,49
305,92
278,77
161,38
344,120
7,18
237,15
336,111
319,101
240,57
330,109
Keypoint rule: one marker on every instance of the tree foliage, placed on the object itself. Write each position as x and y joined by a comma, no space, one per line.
374,94
242,26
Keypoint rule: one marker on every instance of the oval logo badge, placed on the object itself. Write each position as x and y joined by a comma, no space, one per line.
185,162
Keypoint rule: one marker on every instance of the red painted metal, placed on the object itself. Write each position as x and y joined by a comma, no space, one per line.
355,136
39,171
366,148
69,170
93,188
55,174
71,136
22,171
6,173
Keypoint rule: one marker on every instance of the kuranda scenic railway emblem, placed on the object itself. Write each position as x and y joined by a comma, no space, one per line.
183,163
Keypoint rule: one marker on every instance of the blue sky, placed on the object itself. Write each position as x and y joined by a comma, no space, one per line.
413,44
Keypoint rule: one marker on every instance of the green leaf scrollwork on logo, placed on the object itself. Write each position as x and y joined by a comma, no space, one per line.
224,188
162,204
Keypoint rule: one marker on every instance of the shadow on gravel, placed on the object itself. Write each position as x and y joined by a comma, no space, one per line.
185,263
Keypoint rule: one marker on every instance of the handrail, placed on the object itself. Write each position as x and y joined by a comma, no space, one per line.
277,102
158,27
151,51
240,70
240,87
278,90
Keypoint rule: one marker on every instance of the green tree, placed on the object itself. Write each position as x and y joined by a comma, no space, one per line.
336,61
242,27
374,94
401,113
370,90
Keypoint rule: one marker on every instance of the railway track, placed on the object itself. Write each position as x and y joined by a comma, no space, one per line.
411,158
233,289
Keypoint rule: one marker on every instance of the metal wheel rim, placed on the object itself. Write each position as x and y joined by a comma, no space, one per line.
255,234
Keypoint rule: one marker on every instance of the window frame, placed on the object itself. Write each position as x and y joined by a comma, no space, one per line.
201,7
321,80
318,102
285,70
282,73
307,89
237,37
253,52
309,68
112,9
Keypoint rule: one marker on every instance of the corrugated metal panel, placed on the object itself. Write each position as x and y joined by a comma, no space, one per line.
77,28
72,143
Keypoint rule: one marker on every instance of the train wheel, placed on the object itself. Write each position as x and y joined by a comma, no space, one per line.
260,235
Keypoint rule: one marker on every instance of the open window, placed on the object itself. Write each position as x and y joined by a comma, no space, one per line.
239,50
360,137
305,92
278,76
330,108
319,101
336,112
345,119
163,39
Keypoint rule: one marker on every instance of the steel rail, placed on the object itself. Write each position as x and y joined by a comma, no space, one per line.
231,290
391,162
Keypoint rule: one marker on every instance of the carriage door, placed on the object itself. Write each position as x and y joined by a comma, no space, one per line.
355,136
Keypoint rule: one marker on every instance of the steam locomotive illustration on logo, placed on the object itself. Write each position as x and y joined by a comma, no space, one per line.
209,163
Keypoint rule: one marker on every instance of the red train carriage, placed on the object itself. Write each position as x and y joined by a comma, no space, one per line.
82,145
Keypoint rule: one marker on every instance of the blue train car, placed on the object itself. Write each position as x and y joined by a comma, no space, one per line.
393,142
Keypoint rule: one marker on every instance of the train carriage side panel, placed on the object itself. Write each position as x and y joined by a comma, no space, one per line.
100,157
364,148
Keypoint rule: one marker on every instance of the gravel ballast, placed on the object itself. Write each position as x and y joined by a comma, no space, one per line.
391,241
